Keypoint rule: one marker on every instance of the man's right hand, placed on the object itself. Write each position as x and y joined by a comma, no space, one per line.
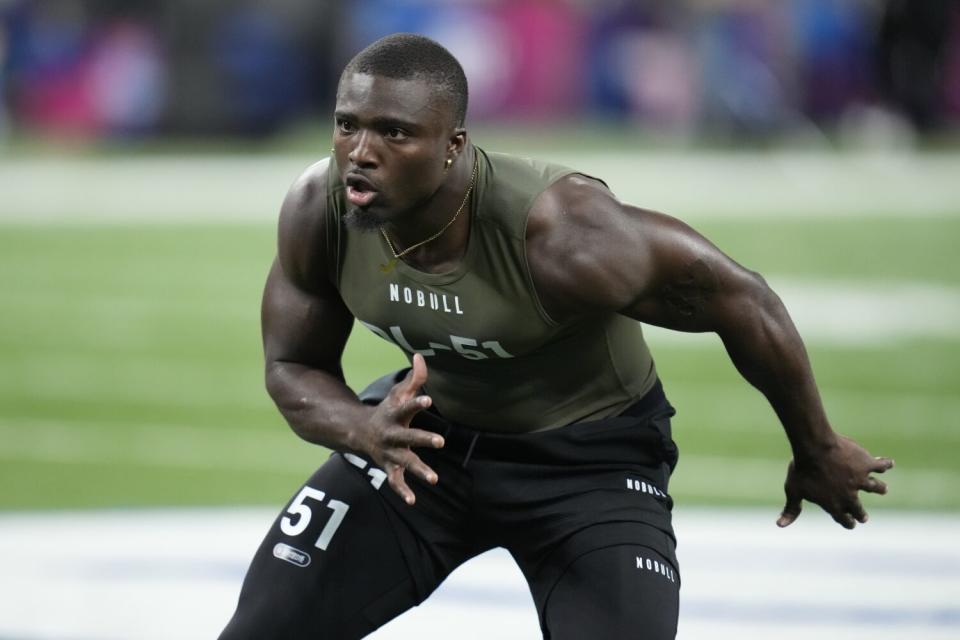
389,438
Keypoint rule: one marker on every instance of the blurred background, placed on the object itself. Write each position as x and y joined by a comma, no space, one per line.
689,69
145,148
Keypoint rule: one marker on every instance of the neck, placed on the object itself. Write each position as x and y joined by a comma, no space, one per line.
435,213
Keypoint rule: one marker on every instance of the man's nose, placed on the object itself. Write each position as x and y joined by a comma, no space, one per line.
363,154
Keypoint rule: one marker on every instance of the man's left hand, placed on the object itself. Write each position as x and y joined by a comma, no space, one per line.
833,481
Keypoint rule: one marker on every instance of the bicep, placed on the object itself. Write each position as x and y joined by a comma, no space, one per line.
688,283
588,252
303,327
303,317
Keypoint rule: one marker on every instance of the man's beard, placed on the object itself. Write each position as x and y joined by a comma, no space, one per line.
362,220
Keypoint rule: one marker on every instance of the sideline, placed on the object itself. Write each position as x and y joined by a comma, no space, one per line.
151,574
687,184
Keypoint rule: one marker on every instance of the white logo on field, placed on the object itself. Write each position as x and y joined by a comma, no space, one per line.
291,554
649,564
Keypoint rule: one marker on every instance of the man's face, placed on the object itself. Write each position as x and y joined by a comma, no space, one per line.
391,141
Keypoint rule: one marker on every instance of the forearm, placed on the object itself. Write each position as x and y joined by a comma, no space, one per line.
767,350
318,405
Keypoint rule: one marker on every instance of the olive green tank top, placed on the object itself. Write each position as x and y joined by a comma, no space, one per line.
495,359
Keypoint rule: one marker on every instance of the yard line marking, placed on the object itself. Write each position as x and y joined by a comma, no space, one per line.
855,312
690,184
741,577
828,311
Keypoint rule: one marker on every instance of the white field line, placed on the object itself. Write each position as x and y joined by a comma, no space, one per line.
204,188
852,312
857,312
178,446
843,312
151,574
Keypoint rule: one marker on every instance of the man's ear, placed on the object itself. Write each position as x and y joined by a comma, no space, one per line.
457,142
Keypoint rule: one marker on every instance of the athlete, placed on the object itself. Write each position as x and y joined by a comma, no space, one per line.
532,417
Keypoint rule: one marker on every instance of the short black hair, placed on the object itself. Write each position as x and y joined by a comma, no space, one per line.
404,56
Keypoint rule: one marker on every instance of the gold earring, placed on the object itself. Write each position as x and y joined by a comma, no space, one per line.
448,164
332,150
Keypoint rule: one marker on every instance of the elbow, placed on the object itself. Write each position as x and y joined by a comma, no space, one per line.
770,322
755,280
275,379
752,309
758,291
280,380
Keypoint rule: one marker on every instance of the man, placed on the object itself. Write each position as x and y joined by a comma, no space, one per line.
532,417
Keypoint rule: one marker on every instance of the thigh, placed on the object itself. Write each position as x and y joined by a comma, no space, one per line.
617,592
333,563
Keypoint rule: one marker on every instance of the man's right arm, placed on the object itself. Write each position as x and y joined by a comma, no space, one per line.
305,326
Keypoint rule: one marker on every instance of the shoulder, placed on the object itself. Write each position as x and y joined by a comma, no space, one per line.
513,184
304,224
525,174
581,241
575,201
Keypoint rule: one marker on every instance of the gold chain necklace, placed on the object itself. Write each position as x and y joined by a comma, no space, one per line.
387,268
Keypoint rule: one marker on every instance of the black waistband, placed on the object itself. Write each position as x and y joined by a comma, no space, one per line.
464,441
649,402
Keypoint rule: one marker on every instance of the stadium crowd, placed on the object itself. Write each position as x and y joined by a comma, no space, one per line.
729,68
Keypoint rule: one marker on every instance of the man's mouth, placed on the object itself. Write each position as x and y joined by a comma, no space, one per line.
360,192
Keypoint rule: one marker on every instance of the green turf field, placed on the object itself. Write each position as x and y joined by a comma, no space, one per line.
132,376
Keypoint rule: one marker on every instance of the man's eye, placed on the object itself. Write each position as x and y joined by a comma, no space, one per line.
345,126
396,133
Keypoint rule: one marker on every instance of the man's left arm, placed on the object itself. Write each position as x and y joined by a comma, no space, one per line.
589,251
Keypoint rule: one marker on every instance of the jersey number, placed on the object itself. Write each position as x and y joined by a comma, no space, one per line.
461,345
303,514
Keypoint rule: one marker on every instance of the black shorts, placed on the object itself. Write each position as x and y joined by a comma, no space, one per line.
583,509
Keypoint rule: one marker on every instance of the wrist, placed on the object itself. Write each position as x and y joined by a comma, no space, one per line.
356,434
813,448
